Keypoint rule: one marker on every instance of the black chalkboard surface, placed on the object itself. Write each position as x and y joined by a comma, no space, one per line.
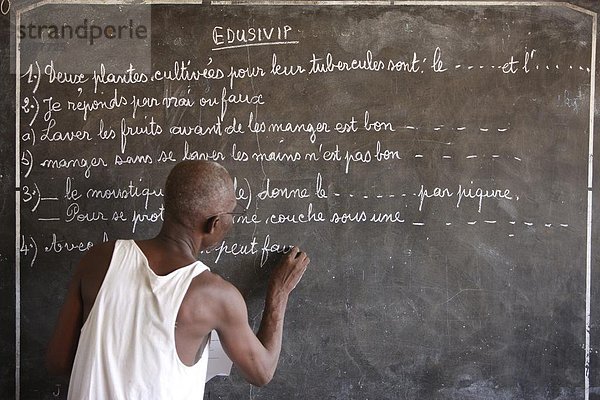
434,159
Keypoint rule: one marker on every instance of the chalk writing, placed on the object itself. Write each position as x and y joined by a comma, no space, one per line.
219,109
5,7
227,37
87,107
82,163
132,190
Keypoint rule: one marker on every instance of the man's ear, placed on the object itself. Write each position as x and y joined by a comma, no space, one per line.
212,224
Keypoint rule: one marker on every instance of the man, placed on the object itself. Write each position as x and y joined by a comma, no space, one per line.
137,316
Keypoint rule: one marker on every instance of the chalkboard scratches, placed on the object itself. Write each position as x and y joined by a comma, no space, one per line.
461,291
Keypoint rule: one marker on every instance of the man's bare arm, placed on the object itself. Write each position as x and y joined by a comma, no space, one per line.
257,355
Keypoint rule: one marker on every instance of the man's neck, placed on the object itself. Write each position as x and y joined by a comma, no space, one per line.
180,239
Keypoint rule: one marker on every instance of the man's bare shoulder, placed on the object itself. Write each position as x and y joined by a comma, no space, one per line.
209,291
213,284
93,266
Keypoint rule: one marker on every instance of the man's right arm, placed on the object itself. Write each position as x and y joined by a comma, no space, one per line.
257,355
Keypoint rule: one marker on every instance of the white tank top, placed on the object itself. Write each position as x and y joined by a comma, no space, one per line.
127,345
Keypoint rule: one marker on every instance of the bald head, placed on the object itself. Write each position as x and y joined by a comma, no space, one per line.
197,190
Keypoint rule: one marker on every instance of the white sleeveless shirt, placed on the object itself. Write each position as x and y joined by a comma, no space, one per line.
127,345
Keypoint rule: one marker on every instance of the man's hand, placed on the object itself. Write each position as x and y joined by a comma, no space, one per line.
288,273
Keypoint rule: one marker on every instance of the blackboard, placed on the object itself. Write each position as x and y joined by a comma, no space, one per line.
434,159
